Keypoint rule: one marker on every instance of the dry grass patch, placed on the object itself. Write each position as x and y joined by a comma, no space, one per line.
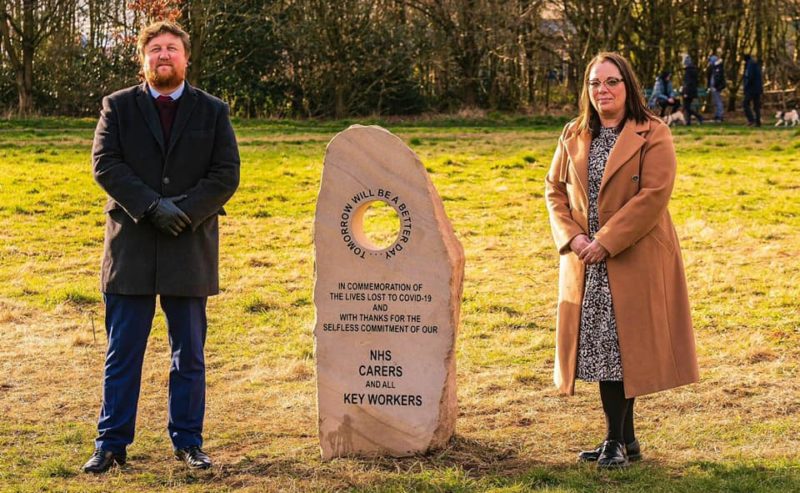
737,216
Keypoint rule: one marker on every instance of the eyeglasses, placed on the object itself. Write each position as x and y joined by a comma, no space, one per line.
610,83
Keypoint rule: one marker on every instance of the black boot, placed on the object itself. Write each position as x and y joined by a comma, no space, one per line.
633,451
612,455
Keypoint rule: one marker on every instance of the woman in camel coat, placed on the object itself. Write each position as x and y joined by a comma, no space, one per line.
623,310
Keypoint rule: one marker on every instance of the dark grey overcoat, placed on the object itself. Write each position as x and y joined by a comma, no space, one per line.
134,165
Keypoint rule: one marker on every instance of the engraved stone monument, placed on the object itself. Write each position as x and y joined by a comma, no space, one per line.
386,314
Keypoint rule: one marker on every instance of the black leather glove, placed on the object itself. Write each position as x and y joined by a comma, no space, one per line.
167,217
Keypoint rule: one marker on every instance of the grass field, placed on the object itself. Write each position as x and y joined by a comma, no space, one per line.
736,206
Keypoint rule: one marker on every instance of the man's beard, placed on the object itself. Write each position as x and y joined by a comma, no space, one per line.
158,81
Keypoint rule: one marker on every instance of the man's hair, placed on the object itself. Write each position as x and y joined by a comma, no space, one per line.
157,29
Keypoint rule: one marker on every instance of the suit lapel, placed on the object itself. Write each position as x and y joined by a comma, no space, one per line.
148,109
185,108
628,143
578,150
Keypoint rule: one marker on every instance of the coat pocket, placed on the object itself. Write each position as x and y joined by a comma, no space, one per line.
662,238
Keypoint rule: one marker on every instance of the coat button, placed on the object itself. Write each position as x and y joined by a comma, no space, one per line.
166,180
635,178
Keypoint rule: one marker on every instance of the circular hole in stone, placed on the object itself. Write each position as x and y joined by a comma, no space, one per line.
376,225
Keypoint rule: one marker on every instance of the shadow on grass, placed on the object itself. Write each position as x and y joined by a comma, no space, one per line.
471,465
474,457
649,476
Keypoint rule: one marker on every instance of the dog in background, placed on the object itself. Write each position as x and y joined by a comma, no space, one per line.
787,117
675,118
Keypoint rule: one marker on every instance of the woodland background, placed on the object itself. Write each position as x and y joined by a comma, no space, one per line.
289,69
316,58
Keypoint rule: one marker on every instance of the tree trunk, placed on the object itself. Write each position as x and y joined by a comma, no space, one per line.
25,82
28,49
340,108
200,22
25,98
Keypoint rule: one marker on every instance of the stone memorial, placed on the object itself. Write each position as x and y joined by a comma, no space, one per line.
386,314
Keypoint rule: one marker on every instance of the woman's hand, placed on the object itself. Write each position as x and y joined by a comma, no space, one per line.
579,243
594,253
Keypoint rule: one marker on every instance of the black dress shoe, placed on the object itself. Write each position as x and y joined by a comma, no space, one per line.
612,455
101,460
633,449
193,457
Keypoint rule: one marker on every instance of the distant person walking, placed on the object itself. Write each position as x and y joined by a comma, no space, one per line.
623,308
753,88
716,83
689,90
166,155
662,94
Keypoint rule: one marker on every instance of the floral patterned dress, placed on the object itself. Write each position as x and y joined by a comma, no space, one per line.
598,345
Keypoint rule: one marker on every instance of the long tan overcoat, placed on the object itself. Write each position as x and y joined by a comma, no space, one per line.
645,269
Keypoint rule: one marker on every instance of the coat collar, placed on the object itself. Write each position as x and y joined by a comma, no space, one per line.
629,142
577,145
150,114
148,109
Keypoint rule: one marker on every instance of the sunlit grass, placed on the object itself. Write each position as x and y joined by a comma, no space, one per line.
737,213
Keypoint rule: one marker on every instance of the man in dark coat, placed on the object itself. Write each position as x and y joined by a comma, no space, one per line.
166,155
716,83
753,88
689,90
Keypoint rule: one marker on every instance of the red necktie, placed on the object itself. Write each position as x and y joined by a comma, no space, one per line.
166,113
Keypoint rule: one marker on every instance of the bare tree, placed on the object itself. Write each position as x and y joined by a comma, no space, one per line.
321,58
24,26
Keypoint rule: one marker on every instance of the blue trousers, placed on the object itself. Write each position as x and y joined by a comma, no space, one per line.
128,323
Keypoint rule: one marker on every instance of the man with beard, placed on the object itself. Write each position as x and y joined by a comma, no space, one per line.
166,155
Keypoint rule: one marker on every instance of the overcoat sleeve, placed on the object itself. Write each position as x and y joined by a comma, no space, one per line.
641,213
206,197
562,224
111,172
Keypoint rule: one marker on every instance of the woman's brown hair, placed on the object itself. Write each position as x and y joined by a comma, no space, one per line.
635,108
